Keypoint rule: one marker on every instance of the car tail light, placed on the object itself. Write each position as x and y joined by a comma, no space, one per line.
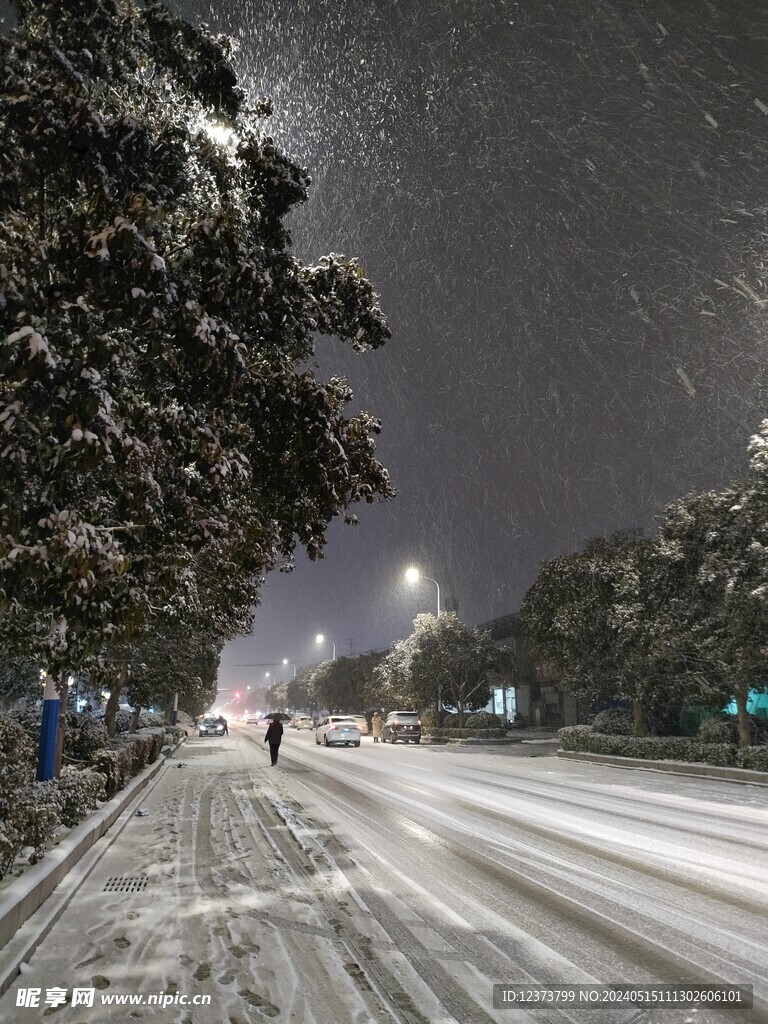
333,728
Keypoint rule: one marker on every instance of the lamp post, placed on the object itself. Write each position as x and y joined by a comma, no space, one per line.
320,639
286,662
413,575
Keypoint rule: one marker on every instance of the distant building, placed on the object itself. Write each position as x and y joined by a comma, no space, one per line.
526,684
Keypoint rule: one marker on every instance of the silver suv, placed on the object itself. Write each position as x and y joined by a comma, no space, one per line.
401,725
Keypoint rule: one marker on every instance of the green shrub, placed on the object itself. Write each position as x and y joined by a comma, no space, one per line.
614,722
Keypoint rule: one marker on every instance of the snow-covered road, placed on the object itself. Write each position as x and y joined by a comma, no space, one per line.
400,883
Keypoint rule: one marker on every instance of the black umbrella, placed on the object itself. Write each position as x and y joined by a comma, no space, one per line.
278,715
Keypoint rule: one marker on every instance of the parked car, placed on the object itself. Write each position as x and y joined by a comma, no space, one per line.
305,722
362,724
336,730
401,726
210,727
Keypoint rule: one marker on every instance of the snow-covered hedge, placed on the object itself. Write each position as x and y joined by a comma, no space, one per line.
483,720
79,792
143,747
84,737
663,748
466,734
115,766
29,810
724,728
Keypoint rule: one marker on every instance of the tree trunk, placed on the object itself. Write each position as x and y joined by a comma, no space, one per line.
742,716
135,718
115,689
61,726
638,708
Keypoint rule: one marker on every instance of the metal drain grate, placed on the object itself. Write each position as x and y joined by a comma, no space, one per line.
125,883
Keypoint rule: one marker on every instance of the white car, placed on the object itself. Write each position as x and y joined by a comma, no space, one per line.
336,730
304,722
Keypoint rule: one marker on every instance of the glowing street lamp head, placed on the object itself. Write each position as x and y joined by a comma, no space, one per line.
319,639
221,134
412,574
285,661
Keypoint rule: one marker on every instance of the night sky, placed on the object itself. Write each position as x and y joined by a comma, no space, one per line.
563,206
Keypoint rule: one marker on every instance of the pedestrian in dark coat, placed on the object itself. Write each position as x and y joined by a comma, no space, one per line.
273,737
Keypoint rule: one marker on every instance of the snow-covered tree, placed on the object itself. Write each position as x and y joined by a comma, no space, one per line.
154,396
716,544
595,615
442,661
345,684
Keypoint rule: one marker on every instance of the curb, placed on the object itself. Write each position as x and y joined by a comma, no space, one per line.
25,895
696,770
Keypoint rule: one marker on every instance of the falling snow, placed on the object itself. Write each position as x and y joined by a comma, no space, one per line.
563,208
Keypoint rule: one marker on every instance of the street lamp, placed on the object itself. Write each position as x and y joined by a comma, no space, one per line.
286,662
412,575
320,639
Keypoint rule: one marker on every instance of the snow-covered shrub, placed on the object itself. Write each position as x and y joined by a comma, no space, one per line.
79,791
656,748
151,720
85,736
455,733
28,714
114,763
483,720
123,720
724,728
575,737
142,747
36,815
614,722
754,758
719,729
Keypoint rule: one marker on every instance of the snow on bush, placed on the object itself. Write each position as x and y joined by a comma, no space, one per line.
483,720
79,793
85,736
114,765
614,722
754,758
724,728
29,810
655,748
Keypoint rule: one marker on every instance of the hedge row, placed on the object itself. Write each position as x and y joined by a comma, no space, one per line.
31,811
128,754
663,748
465,734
